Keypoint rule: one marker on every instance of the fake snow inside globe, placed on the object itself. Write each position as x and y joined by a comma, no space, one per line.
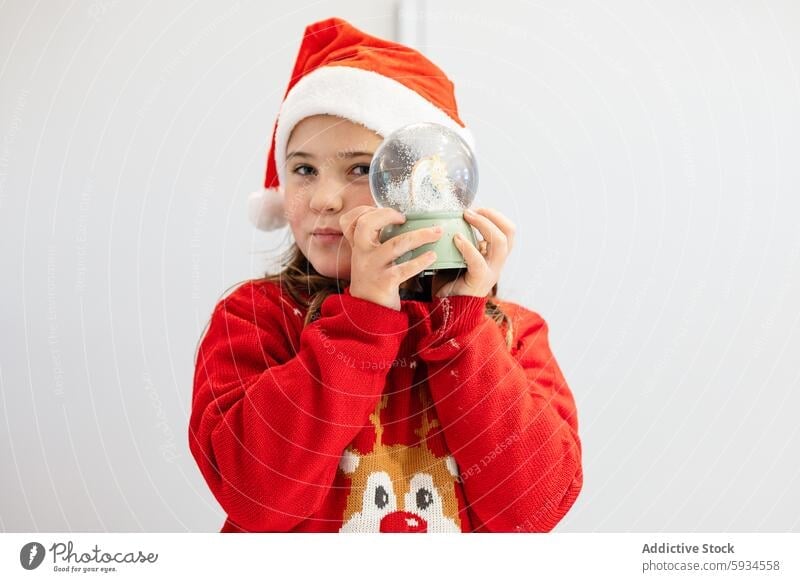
427,172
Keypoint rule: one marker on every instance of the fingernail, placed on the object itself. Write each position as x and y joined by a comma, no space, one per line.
437,229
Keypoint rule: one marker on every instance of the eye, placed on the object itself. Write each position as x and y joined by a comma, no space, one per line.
424,498
423,495
364,170
381,497
378,497
301,170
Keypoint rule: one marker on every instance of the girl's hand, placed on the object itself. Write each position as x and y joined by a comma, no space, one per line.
373,276
483,270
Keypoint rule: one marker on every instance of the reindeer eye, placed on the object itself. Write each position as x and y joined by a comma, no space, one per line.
381,497
424,498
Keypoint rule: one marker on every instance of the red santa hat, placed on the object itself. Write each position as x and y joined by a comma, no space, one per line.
342,71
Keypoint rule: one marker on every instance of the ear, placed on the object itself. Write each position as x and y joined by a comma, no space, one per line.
451,465
349,461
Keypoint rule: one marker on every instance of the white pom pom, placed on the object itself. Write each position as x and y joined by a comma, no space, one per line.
266,210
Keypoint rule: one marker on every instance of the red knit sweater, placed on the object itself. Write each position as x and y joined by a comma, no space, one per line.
372,419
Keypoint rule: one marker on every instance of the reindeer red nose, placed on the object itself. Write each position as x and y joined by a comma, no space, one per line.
403,522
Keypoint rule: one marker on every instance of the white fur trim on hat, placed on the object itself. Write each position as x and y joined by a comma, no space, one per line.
266,210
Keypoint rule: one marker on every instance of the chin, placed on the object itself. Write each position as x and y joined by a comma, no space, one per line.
332,271
326,264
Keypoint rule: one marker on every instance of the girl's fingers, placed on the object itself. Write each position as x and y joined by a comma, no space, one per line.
408,241
505,225
476,263
491,233
415,266
478,271
349,220
369,224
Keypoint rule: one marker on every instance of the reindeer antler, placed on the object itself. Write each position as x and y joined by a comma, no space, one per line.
427,425
375,419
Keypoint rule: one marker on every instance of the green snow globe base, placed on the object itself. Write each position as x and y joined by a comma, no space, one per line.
447,254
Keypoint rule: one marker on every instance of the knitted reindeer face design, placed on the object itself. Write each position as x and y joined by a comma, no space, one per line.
399,488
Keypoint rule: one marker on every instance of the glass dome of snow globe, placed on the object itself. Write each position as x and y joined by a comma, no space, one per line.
427,172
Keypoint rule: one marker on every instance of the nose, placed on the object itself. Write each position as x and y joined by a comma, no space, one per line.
403,522
327,197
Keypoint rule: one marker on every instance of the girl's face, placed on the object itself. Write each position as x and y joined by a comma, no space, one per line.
327,174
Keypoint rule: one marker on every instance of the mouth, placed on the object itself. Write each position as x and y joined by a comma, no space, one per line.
327,235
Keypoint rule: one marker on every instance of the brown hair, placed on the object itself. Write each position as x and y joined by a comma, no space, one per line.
298,276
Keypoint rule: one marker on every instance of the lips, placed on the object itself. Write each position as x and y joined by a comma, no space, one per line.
327,235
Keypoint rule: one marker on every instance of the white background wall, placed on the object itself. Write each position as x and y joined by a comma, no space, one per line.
646,150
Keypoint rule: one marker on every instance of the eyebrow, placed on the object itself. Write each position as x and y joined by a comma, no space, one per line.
345,155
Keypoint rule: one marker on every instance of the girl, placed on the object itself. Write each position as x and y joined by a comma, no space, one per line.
338,395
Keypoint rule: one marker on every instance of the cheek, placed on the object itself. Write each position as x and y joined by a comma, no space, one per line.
360,195
295,204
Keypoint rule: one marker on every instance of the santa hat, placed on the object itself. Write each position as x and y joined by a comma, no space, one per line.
342,71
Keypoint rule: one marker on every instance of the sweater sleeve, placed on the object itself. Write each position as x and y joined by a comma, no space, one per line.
269,419
508,417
